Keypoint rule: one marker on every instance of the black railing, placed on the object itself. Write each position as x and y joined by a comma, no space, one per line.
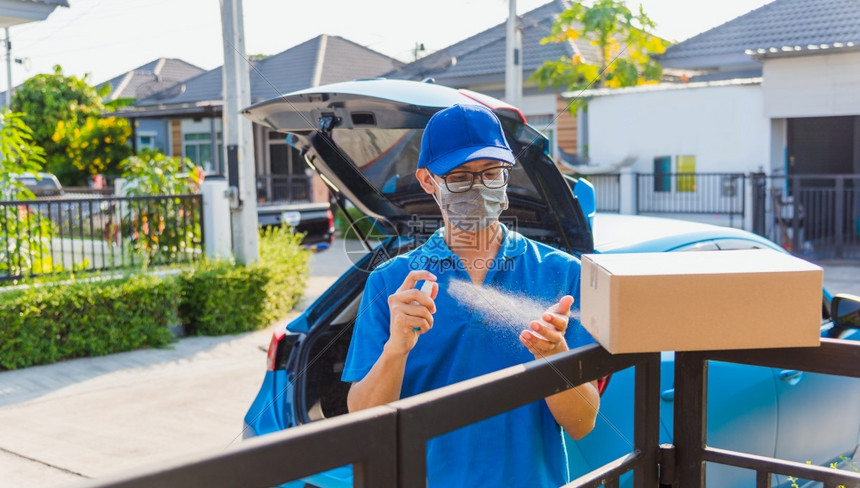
386,445
283,188
690,193
607,189
836,357
48,236
815,216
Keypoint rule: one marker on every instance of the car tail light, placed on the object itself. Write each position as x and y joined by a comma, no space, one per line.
602,383
330,220
271,356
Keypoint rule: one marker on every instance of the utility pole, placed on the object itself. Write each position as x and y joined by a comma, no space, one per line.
8,69
513,58
238,135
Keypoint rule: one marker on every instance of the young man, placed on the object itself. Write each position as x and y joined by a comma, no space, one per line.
406,342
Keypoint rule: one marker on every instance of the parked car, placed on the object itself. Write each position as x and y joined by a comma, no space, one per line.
315,220
364,137
41,184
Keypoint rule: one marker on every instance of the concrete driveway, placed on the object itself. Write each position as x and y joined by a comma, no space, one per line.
87,418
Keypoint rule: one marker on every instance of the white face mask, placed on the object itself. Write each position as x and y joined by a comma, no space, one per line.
474,209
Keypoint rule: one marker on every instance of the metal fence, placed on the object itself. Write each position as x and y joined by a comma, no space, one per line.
834,356
54,235
283,188
816,216
691,193
607,189
387,445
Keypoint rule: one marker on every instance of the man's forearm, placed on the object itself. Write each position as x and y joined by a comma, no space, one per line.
576,409
381,385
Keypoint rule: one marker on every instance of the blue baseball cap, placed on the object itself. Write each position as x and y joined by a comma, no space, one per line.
462,133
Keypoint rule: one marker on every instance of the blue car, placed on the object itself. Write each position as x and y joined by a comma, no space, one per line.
363,137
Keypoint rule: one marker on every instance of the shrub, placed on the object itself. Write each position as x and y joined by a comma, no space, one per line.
220,297
52,322
281,252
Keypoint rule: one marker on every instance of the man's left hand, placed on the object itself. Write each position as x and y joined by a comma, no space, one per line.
545,336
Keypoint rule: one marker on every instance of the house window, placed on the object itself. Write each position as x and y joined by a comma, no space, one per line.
686,173
197,146
545,124
663,174
145,140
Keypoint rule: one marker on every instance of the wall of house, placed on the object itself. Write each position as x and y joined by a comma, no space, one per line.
200,127
724,127
542,113
820,85
156,130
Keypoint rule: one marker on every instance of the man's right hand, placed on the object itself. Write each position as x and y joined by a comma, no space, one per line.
411,312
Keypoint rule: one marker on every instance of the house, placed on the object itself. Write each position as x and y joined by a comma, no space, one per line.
478,63
193,109
775,91
163,75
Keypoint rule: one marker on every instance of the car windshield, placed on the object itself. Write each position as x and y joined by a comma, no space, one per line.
387,158
32,182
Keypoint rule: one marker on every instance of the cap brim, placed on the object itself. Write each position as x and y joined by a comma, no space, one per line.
462,156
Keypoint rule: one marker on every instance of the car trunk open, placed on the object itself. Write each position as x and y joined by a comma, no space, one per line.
363,139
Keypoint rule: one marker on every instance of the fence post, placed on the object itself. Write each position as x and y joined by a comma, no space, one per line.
795,214
840,215
757,205
691,418
627,187
216,218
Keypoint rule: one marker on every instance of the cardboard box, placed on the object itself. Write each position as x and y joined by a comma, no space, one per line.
702,300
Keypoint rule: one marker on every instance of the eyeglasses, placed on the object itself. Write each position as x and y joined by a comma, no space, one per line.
462,181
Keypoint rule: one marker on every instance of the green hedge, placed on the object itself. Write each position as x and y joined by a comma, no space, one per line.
50,322
218,298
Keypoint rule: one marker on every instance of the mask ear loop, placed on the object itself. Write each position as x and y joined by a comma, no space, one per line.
434,193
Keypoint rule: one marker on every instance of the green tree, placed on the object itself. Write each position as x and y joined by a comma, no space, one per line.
19,153
24,234
624,48
64,113
96,146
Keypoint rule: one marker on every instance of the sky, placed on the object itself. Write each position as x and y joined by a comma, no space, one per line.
105,38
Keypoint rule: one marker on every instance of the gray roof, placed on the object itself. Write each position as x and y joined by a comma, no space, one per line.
798,24
155,76
323,59
482,57
61,3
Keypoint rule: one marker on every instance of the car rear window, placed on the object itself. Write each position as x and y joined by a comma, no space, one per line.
388,158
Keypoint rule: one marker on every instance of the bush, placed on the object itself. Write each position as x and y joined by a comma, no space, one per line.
53,322
282,254
222,298
219,297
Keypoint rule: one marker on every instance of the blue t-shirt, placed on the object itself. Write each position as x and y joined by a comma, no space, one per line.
475,331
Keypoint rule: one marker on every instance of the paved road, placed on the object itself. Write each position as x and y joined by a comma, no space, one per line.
87,418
